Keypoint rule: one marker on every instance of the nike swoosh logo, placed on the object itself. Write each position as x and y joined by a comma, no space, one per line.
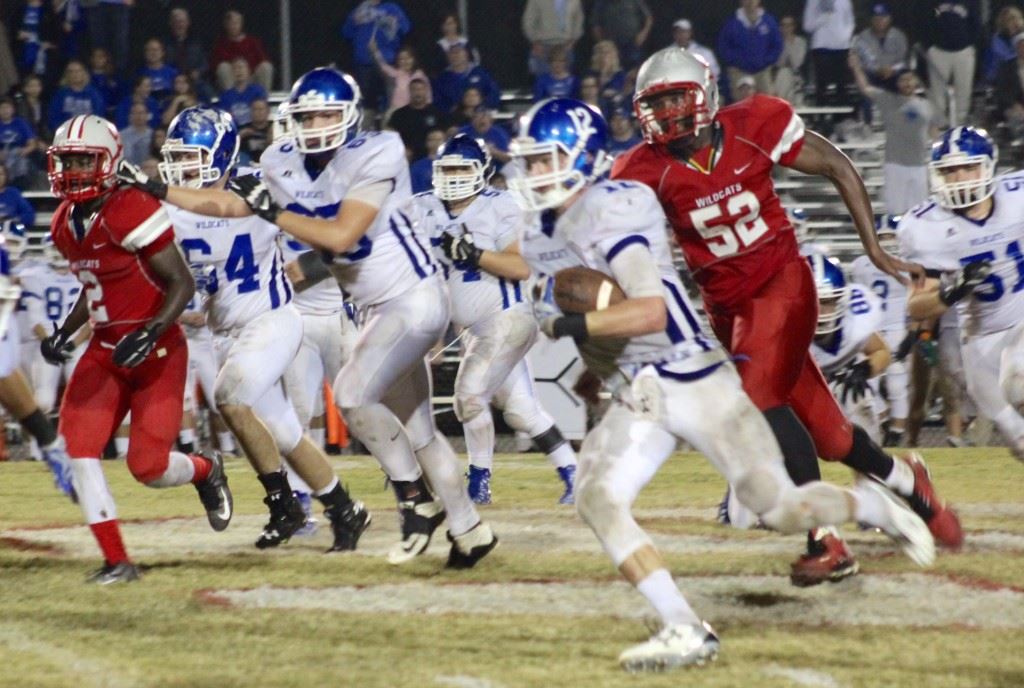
96,246
410,545
396,436
741,170
225,511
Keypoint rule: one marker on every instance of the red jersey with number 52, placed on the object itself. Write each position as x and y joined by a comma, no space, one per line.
108,255
728,220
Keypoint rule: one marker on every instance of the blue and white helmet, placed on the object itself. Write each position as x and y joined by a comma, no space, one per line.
323,90
10,292
798,219
462,168
963,147
573,136
885,228
14,238
833,293
201,147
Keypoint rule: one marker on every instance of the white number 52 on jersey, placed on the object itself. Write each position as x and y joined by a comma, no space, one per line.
724,239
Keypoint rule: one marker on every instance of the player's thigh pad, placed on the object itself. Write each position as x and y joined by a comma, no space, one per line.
259,356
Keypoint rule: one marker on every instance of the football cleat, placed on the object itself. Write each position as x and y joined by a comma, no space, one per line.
942,520
306,500
286,518
672,648
827,559
723,508
215,494
470,547
419,521
123,572
568,476
904,526
479,485
348,523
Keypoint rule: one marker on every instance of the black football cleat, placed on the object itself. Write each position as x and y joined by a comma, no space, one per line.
215,494
123,572
471,546
419,521
286,518
348,524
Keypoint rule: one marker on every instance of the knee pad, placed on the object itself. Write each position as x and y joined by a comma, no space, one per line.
758,489
286,431
469,406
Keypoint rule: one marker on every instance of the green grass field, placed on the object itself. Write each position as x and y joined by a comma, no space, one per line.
545,609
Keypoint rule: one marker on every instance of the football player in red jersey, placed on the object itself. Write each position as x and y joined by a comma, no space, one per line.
711,170
120,244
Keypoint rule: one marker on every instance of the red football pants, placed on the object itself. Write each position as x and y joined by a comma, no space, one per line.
99,394
771,335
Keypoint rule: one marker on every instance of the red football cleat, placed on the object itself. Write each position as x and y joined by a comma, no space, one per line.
827,559
942,520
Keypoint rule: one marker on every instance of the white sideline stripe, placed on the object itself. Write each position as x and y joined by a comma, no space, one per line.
86,672
460,681
803,677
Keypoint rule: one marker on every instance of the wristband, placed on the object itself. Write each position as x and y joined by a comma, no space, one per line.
572,325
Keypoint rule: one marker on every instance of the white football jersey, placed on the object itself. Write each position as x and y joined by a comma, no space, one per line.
30,302
323,298
238,262
606,218
889,290
391,257
863,318
944,241
493,219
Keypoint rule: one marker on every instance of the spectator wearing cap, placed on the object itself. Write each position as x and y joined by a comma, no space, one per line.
551,26
682,37
882,48
137,137
1009,87
750,43
460,75
383,24
787,79
830,24
161,75
910,126
239,98
558,82
76,97
623,133
451,35
421,172
627,23
497,139
1009,22
234,43
19,146
414,120
953,29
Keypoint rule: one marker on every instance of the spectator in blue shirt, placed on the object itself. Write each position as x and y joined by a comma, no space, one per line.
558,82
750,43
137,137
605,65
76,97
497,139
161,74
238,99
34,46
623,133
140,94
103,78
13,205
421,172
460,75
18,145
386,24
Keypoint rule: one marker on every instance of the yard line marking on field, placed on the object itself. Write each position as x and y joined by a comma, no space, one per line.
86,672
460,681
803,677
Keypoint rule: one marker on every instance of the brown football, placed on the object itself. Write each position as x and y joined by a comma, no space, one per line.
580,290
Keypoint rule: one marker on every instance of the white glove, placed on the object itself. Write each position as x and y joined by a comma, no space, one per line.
541,291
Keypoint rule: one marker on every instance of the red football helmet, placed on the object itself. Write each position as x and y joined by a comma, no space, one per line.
80,136
694,105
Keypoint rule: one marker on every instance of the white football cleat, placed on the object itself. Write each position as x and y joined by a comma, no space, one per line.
673,647
904,526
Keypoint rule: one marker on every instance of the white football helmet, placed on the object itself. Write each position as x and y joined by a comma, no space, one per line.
84,135
674,70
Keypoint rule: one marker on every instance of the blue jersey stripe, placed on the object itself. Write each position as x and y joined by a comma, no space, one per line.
504,292
275,298
518,291
408,251
691,320
285,282
623,243
427,258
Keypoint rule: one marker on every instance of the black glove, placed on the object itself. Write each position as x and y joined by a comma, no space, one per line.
134,347
907,345
461,249
57,348
854,381
131,174
256,195
966,281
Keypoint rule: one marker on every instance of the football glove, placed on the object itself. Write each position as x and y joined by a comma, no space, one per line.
57,348
256,195
965,282
130,174
134,347
853,381
541,292
461,250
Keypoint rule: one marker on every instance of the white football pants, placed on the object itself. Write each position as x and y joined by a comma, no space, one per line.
327,342
995,378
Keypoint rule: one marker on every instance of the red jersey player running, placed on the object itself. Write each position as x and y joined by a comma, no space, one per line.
711,170
135,283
